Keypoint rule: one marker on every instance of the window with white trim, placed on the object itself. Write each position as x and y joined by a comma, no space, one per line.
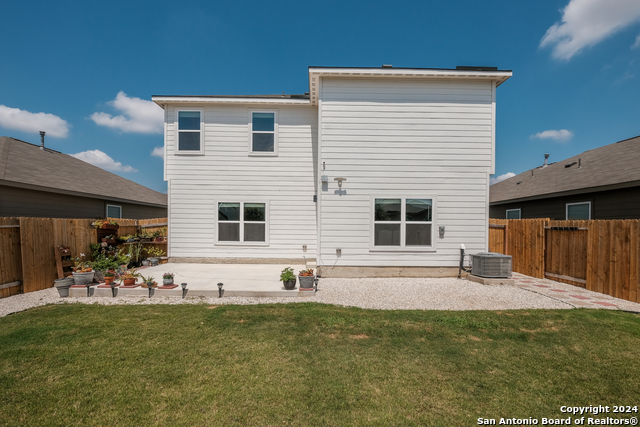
580,210
514,214
190,134
263,132
114,211
403,223
242,222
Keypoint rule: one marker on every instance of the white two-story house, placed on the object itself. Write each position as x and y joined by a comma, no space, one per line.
373,172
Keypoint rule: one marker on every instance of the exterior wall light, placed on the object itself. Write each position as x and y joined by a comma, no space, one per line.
340,179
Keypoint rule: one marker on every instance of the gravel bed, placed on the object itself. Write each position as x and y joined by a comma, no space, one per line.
382,294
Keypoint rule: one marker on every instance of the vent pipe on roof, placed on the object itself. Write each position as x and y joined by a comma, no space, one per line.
42,139
546,157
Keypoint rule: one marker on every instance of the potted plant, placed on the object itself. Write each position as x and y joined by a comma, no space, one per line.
129,277
146,262
157,236
82,271
109,277
148,282
135,253
306,278
167,279
288,278
154,255
105,224
145,236
110,239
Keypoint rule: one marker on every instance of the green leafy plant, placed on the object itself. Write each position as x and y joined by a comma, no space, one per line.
104,263
135,251
287,274
122,258
147,279
154,252
144,234
109,274
82,266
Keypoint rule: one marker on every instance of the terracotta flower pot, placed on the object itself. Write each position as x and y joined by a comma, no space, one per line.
129,282
108,279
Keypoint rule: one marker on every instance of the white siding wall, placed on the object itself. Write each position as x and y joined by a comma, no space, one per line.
413,138
226,173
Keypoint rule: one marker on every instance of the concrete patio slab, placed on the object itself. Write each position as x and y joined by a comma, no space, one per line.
239,280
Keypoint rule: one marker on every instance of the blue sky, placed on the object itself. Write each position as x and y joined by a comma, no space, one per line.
85,71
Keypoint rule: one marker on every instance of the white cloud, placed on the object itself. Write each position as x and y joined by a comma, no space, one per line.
103,160
637,43
22,120
158,152
586,23
139,116
561,135
502,177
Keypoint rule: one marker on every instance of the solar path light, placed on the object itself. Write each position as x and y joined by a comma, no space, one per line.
184,289
220,285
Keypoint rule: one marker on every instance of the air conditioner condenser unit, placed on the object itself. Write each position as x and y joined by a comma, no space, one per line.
491,265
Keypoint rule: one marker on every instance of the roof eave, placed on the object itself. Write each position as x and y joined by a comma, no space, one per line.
315,73
163,100
78,193
577,191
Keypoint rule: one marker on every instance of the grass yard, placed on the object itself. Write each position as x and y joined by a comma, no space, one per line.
309,364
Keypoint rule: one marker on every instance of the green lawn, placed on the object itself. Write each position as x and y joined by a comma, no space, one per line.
309,364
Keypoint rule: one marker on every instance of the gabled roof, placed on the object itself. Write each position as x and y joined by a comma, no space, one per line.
609,167
316,72
25,165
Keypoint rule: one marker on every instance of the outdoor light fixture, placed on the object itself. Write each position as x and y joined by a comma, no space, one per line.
315,282
88,284
340,179
150,286
184,289
113,288
220,285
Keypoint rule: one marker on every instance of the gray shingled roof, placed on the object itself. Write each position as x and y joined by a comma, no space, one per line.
25,164
612,166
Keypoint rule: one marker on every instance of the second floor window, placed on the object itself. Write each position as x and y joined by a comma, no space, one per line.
264,133
189,132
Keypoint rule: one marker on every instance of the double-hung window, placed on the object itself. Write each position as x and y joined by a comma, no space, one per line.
263,132
242,222
190,132
514,213
403,223
114,211
580,210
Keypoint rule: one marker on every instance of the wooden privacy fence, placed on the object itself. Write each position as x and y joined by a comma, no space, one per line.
599,255
27,260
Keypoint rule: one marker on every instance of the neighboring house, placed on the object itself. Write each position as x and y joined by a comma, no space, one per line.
603,183
375,171
40,182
